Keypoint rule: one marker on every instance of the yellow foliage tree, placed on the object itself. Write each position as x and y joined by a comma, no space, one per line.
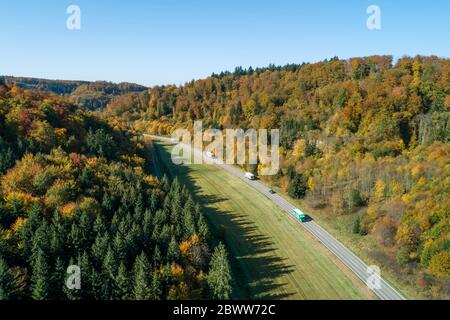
380,190
440,264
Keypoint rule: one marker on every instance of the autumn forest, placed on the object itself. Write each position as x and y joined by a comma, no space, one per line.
363,140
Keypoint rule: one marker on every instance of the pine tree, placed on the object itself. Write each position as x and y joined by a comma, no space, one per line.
58,280
86,276
29,228
156,286
165,183
58,235
110,263
153,202
40,279
85,227
175,209
99,225
139,208
110,271
141,289
99,248
188,224
98,285
166,210
147,227
86,177
123,288
134,239
157,259
175,186
356,225
202,228
6,281
355,199
107,203
219,276
119,247
40,242
173,252
297,187
76,238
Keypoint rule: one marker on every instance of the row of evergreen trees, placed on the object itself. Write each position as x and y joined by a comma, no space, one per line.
130,249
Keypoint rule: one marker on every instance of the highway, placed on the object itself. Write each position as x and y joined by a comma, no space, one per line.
380,286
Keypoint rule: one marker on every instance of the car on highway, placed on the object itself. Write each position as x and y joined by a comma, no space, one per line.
271,191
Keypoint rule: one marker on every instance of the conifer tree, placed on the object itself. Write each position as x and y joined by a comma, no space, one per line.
6,281
99,225
157,259
188,224
40,277
110,271
202,228
153,202
75,238
41,242
29,228
175,208
119,247
147,227
58,235
99,248
123,288
141,289
86,268
297,187
165,183
107,203
156,286
58,280
173,252
97,281
139,208
219,276
85,227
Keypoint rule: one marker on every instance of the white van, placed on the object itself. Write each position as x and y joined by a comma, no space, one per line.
250,176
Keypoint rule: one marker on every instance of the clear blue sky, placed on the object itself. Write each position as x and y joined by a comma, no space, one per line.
167,41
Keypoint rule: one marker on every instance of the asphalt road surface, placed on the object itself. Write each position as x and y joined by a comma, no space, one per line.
377,284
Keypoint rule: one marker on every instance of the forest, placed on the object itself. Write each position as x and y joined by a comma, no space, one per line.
76,189
88,95
365,137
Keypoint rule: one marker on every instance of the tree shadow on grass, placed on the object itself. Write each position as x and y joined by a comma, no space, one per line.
255,264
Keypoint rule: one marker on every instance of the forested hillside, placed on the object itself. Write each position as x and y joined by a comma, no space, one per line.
89,95
365,137
75,190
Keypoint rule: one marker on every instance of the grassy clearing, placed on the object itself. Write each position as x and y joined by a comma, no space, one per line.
272,256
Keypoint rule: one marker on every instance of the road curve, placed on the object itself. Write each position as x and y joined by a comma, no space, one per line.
381,287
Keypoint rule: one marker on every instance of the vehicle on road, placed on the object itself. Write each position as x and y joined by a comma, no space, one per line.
299,215
271,191
250,176
209,154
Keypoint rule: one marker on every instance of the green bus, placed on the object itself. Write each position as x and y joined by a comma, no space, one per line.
299,215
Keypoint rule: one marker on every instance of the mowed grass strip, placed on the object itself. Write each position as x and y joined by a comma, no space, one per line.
273,256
